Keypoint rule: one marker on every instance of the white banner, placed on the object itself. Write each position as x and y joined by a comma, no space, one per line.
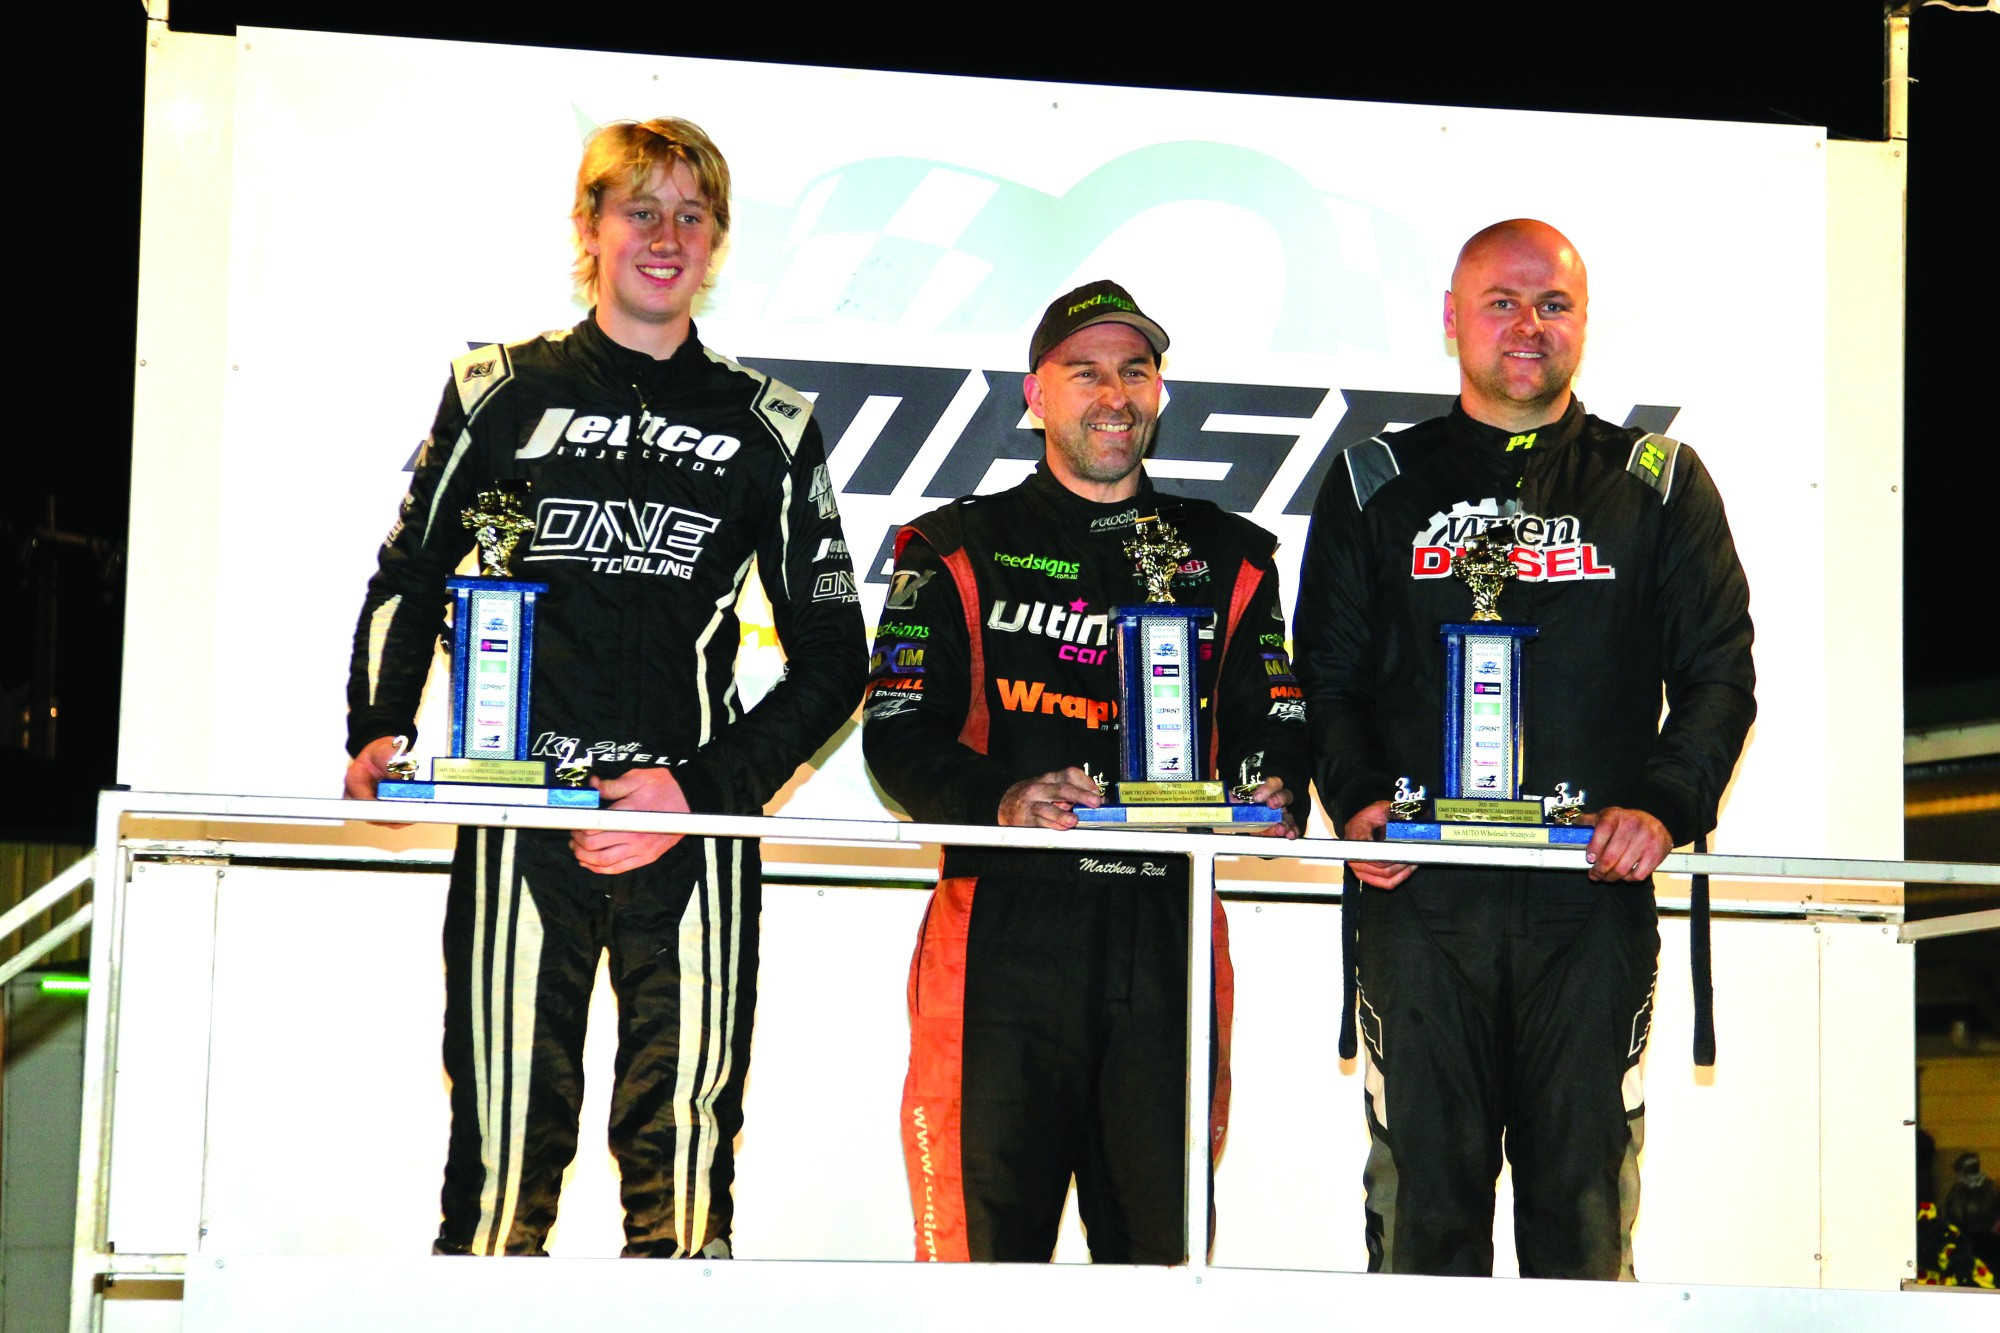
896,236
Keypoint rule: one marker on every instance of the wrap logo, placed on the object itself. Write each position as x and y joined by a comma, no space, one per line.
1032,696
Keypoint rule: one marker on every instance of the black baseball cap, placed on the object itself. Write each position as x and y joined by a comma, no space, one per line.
1100,302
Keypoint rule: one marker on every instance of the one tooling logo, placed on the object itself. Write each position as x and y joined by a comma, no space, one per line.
622,536
1546,550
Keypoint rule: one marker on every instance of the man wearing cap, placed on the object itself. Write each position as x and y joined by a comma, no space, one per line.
1508,1010
1048,993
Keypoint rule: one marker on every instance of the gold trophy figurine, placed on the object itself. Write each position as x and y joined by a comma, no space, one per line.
1157,551
498,524
1485,566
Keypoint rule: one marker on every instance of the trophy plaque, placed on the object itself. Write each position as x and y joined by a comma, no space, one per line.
1481,800
1160,783
492,662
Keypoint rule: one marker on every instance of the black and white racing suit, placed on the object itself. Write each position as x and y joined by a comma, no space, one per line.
654,484
1519,1000
1048,992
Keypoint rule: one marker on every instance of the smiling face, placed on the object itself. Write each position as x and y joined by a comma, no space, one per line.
1517,306
1098,394
652,246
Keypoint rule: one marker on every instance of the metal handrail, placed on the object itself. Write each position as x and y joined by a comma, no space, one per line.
41,900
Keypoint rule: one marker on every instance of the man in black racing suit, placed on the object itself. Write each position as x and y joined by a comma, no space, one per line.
1499,1000
658,470
1048,993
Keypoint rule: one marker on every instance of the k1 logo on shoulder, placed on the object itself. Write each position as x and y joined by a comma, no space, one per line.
1546,550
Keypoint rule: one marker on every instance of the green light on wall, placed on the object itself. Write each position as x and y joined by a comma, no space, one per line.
66,985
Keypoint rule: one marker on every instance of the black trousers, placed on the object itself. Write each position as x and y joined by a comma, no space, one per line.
1502,1007
524,928
1048,1026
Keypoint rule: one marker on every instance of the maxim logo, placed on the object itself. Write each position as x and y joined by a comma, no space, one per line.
621,536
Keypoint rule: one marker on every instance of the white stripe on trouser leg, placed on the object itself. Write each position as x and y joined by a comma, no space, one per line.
477,980
521,1045
707,1003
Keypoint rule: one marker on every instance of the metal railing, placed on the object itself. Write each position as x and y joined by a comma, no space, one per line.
41,900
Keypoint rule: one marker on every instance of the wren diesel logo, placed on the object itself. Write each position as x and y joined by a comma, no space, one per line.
905,405
1546,550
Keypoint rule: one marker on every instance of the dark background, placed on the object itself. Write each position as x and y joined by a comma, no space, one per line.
63,515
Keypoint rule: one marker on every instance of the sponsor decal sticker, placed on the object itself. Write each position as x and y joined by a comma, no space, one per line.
1040,564
835,586
622,536
1546,550
1032,696
821,493
904,585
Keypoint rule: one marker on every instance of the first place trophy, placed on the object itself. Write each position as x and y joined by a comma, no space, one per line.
1160,747
492,663
1483,728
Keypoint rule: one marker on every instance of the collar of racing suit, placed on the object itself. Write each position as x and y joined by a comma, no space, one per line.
649,375
1049,490
1552,435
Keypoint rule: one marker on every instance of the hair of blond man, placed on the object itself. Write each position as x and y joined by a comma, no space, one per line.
624,153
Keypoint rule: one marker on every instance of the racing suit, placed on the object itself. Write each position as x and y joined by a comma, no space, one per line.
1048,992
1496,1000
654,484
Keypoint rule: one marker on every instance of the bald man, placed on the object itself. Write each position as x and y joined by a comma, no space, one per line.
1505,1002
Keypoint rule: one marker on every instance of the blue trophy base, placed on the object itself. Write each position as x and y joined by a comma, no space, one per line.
480,793
1491,835
1165,818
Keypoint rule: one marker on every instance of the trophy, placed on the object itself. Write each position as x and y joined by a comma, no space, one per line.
492,661
1481,800
1160,751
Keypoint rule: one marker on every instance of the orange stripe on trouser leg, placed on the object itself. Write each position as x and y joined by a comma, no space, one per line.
933,1091
1225,1013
